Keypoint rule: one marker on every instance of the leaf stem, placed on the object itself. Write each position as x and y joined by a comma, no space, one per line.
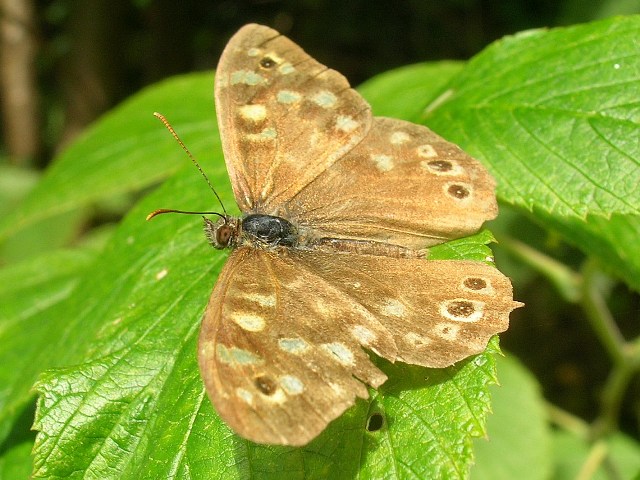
597,456
598,314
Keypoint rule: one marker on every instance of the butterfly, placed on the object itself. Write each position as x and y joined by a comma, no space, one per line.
328,261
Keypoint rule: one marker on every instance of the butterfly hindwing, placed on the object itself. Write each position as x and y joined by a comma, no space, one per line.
282,347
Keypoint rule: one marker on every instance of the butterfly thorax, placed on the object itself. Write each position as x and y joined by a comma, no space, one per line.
255,230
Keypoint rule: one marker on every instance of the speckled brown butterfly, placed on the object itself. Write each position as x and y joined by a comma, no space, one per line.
328,259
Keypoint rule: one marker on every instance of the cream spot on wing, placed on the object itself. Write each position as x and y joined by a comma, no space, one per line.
356,284
336,388
314,137
254,52
286,68
265,135
322,308
262,300
426,151
394,308
339,352
399,137
293,345
288,97
325,99
277,397
245,395
446,331
248,321
462,310
247,77
237,355
274,56
291,384
384,163
363,334
346,123
255,113
161,274
477,285
418,341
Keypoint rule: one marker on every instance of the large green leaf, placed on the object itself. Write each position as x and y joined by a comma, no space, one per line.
518,435
126,150
554,115
30,337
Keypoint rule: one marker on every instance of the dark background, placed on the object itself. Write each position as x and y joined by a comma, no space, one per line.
71,60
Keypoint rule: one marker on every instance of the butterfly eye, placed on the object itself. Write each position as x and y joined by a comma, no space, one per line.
223,235
267,62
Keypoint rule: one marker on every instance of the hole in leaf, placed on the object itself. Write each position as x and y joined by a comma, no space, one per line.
375,422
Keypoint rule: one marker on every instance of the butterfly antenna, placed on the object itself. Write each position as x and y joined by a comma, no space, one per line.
170,210
162,118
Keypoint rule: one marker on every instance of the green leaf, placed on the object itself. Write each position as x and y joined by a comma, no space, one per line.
611,240
405,91
518,433
15,463
571,453
553,115
125,151
468,248
15,185
130,401
30,325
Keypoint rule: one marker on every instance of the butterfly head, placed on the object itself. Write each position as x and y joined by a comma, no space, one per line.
223,233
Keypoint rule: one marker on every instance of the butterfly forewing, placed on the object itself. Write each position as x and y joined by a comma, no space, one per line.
403,185
283,117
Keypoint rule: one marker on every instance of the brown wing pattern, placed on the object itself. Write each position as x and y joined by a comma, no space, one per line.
283,117
281,343
404,185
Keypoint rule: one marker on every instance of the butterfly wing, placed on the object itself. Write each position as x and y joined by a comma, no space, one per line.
281,343
265,349
438,312
404,185
283,117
